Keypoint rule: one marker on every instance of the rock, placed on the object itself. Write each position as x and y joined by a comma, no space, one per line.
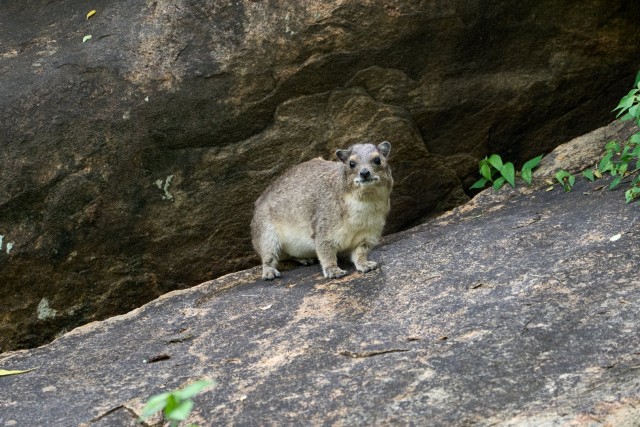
585,151
517,308
130,162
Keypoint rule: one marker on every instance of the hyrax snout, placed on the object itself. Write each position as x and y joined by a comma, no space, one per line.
322,209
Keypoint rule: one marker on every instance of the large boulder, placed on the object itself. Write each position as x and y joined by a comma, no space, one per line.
516,309
130,162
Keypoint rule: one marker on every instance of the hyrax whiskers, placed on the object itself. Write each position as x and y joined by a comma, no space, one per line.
322,209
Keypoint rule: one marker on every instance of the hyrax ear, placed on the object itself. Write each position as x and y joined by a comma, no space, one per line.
384,148
343,155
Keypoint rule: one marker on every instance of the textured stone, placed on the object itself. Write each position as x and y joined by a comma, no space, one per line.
130,162
516,309
585,151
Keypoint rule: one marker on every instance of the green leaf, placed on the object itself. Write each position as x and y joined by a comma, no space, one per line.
632,193
155,404
526,176
509,173
612,146
635,138
86,38
625,103
531,164
589,175
193,389
485,169
634,110
479,184
172,403
561,175
625,156
498,183
637,82
495,161
626,117
615,182
622,169
180,412
565,179
628,195
605,163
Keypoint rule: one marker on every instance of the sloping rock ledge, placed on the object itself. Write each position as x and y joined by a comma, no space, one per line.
519,308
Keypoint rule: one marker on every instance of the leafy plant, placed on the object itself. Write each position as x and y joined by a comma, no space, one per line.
565,179
623,160
175,405
527,169
629,105
494,170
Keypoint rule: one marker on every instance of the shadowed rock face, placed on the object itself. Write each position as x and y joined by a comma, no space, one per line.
130,163
518,308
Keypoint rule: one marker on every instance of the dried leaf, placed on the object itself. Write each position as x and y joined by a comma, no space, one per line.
616,237
266,307
549,188
91,13
4,372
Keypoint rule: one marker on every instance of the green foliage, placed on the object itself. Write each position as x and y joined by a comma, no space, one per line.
526,172
622,161
565,179
629,105
589,175
175,405
494,170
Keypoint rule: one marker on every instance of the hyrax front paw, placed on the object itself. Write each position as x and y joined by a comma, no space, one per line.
367,266
270,273
334,272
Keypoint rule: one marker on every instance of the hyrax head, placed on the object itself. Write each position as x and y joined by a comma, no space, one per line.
366,164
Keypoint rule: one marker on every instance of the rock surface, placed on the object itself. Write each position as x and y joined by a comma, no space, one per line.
130,162
519,308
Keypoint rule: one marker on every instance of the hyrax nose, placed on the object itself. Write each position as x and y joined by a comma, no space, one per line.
365,173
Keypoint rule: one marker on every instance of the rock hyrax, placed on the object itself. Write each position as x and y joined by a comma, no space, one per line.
322,209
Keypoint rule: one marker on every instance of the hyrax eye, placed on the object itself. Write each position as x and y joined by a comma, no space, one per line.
352,164
376,160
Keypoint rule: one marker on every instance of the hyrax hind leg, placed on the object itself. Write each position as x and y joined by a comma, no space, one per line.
268,246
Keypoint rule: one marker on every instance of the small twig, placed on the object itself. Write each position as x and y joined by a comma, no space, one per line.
359,355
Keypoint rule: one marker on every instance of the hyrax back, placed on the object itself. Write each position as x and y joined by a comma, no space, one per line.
321,209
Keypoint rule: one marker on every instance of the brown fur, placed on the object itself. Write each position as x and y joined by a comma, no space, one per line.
321,209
